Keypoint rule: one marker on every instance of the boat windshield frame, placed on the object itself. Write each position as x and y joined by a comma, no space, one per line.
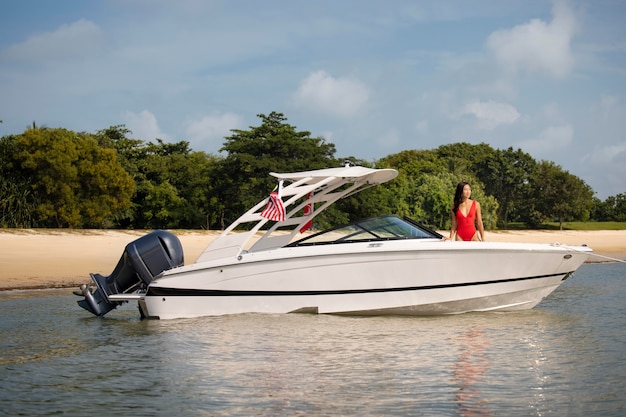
373,229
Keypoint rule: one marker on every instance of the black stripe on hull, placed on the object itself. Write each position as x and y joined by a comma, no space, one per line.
189,292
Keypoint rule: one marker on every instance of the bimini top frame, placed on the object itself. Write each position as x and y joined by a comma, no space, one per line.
322,187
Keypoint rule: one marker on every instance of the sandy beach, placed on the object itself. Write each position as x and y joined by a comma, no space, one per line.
64,258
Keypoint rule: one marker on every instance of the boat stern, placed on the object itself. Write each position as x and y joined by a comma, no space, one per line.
142,260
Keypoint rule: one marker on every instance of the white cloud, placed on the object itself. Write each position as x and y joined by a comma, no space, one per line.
551,138
609,153
491,114
610,159
537,46
77,39
144,125
323,93
213,128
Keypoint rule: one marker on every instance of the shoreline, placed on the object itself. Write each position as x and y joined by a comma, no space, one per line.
32,259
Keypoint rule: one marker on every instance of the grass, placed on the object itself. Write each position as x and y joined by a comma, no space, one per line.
571,226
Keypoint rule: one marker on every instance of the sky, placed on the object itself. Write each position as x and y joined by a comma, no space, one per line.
373,77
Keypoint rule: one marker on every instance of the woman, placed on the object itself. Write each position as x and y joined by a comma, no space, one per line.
466,215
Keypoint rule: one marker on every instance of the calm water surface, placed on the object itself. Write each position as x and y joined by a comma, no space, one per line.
566,357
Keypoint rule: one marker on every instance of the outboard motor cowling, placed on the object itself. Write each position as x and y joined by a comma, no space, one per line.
142,260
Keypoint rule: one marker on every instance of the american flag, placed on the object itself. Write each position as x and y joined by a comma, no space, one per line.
275,210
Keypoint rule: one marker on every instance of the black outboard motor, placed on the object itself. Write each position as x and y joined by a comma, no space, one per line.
142,260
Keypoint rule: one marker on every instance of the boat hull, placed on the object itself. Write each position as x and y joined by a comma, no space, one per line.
416,277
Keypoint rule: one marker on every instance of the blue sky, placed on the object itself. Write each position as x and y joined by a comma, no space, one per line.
373,77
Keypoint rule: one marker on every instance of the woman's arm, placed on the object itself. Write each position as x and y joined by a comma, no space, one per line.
454,225
479,222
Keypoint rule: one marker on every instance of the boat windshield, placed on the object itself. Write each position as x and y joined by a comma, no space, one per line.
376,228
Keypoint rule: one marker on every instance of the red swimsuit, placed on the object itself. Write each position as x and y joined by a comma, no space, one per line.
465,227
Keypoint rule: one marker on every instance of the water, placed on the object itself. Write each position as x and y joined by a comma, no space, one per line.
566,357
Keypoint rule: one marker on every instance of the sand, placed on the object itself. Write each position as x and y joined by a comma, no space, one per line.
35,258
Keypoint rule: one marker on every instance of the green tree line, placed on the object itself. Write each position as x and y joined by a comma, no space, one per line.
54,177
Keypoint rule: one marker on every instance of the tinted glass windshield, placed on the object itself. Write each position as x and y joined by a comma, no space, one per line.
377,228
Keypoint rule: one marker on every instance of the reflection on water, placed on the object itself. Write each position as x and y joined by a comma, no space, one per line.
565,357
469,372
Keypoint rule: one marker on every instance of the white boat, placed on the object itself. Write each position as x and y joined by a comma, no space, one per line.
379,266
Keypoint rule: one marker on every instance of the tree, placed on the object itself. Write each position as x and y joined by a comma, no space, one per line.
618,204
427,179
243,176
507,176
435,194
173,183
17,203
16,206
611,209
462,157
75,182
415,167
558,195
56,177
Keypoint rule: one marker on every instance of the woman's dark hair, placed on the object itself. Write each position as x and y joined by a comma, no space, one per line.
458,195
